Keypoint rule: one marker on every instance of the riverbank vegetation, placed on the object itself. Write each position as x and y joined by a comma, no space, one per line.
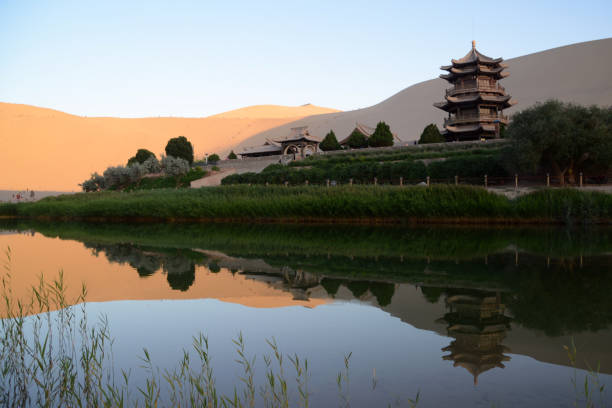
365,204
555,138
440,163
145,172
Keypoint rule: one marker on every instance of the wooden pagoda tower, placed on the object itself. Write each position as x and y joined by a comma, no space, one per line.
476,100
478,324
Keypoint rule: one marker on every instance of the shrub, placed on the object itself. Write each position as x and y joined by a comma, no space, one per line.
330,142
174,166
151,165
357,140
95,183
118,176
382,136
232,156
431,134
213,158
140,157
180,147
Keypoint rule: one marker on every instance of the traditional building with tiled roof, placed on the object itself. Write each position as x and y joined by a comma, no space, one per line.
476,101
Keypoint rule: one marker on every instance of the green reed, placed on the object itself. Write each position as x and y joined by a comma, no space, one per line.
302,203
51,355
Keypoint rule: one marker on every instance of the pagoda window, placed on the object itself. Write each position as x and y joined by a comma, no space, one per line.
469,112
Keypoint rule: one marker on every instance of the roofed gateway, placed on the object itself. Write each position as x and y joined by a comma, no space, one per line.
299,143
476,101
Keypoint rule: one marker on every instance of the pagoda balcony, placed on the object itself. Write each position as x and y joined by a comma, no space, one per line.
473,87
475,118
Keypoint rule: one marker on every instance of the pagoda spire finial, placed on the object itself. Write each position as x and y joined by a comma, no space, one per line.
473,44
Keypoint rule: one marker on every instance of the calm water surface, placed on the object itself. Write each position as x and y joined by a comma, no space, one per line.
466,317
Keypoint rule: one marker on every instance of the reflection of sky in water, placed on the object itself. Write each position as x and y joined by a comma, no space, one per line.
406,359
393,328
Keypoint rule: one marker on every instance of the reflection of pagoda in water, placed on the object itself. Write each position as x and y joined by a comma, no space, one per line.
477,322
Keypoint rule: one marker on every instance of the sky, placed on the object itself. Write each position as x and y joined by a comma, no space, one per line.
197,58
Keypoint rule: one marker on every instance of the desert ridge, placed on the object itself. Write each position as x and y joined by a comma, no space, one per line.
65,149
577,73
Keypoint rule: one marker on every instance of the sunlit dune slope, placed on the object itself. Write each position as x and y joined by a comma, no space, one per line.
44,149
577,73
274,111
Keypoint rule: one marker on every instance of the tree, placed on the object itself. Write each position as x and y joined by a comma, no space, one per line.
232,156
213,158
382,136
357,140
140,157
330,142
180,147
561,138
431,134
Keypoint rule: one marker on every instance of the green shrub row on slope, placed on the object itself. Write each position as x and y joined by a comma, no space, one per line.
385,172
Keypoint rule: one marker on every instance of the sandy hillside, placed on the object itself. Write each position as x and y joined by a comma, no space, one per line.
44,149
578,73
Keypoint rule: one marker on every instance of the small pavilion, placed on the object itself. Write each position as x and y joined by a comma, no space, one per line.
300,143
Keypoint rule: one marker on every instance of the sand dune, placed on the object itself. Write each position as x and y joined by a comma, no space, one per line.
51,150
44,149
577,73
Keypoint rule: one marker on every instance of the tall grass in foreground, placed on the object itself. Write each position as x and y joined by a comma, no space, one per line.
52,356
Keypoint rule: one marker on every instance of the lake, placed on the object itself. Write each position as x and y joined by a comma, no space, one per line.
461,316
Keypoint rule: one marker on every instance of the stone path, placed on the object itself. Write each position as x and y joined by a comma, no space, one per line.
212,180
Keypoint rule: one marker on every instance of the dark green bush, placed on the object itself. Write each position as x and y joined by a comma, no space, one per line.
180,147
382,136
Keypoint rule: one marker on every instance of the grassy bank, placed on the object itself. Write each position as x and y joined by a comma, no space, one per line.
370,204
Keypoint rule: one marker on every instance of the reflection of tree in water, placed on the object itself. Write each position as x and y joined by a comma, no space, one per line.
179,265
476,321
564,296
180,271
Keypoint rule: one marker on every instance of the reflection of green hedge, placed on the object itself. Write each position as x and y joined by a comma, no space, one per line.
437,243
559,296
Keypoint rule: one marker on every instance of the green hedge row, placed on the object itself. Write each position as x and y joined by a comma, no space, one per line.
385,172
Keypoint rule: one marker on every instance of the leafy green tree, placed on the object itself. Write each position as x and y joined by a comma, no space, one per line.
213,158
140,157
431,134
180,147
382,136
560,138
357,140
330,142
232,156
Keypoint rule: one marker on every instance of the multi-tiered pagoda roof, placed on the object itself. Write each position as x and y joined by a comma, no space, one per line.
476,101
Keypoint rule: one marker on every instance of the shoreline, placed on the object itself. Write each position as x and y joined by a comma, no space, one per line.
443,221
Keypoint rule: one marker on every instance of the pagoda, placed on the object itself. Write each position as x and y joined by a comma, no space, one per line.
477,322
476,100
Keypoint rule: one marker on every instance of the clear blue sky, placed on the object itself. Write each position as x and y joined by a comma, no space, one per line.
196,58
